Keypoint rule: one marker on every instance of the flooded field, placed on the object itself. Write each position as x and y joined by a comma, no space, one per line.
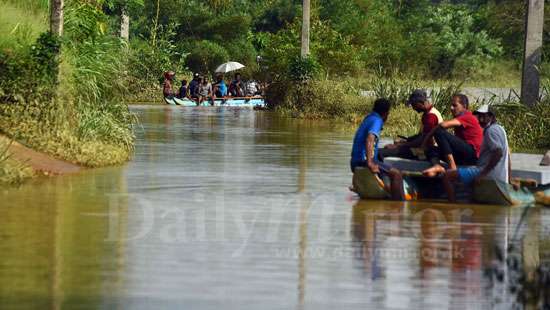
236,209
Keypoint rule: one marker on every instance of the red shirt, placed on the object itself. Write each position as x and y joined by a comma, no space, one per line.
470,131
429,122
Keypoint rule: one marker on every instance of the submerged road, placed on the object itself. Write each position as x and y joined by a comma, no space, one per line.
234,209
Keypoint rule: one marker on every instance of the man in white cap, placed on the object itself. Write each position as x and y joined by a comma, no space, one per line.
494,158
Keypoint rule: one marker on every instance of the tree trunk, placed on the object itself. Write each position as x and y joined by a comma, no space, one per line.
56,17
124,25
532,53
305,28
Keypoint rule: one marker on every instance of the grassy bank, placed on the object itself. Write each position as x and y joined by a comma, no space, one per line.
328,99
68,104
12,171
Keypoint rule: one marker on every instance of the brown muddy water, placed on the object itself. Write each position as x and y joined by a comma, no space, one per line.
236,209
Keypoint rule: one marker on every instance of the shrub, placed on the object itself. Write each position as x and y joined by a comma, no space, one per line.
205,56
302,69
323,99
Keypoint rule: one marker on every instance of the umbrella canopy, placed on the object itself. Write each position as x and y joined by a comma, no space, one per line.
229,66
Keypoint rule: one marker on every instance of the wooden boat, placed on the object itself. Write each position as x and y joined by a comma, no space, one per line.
254,102
419,187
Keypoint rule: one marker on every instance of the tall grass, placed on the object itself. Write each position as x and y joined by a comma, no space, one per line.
19,27
11,171
83,118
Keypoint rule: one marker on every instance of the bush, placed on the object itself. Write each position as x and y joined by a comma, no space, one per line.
205,56
320,99
302,69
30,72
333,51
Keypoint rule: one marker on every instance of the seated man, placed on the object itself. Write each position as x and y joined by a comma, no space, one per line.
431,117
220,88
193,88
463,147
252,88
183,90
204,91
236,87
365,148
494,159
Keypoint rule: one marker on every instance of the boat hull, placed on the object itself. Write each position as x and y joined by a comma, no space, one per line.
418,187
254,102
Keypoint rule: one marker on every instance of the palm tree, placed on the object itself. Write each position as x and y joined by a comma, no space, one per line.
56,17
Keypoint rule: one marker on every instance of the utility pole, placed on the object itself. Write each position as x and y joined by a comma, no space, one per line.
305,28
530,81
56,17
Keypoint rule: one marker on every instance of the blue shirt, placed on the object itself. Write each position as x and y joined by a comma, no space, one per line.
372,124
222,88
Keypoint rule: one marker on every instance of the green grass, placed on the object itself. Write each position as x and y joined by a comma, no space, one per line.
19,26
527,128
11,171
85,120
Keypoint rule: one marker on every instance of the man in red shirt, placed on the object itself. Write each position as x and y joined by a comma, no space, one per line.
463,147
431,117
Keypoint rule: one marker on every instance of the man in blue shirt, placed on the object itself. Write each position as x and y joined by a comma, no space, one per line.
365,148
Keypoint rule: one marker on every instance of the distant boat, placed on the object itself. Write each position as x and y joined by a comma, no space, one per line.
254,102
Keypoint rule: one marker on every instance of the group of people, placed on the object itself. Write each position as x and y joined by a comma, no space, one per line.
477,149
199,89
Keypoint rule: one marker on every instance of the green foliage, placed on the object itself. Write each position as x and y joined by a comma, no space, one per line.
11,171
277,16
457,43
30,72
333,51
82,116
324,99
303,69
205,56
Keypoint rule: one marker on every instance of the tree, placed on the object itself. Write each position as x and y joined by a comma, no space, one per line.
124,24
56,17
305,29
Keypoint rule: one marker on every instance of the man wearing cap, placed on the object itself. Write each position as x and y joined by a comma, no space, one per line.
494,158
194,87
420,102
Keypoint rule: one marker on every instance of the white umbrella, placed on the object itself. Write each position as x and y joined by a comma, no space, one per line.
229,66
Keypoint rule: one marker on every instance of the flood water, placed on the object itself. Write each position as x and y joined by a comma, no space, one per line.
236,209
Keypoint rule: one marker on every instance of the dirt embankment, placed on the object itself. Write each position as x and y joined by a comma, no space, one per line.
39,162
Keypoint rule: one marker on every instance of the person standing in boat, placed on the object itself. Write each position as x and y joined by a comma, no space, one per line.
494,159
410,149
365,148
463,147
167,87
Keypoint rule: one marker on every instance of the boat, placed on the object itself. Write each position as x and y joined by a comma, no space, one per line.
254,102
418,187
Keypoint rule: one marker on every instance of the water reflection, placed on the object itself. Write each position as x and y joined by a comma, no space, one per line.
234,209
53,253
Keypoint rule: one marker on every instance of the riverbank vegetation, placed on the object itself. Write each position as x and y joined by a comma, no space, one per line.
63,96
